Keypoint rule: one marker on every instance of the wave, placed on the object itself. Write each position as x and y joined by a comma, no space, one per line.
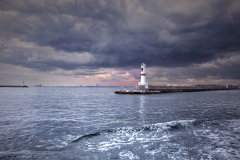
206,139
172,125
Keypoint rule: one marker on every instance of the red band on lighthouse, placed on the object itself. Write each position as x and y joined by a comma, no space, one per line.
143,74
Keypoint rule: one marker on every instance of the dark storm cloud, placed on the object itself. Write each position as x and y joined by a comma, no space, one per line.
123,33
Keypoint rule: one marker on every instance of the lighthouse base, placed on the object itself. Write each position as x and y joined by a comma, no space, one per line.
141,87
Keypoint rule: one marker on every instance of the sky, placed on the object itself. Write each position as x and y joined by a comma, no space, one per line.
88,42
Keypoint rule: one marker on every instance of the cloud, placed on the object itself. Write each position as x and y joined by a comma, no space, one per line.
94,34
222,70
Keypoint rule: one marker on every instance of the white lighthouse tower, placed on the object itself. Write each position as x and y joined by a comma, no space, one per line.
143,76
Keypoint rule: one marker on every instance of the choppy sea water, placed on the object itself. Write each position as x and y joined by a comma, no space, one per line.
95,123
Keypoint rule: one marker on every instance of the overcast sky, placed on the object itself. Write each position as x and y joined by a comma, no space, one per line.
88,42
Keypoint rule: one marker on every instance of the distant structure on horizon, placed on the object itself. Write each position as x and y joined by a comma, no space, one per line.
38,85
143,84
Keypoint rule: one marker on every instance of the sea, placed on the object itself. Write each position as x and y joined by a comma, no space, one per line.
61,123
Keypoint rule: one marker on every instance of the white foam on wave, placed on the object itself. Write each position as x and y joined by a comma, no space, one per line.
223,140
168,150
127,136
168,125
184,139
120,139
127,155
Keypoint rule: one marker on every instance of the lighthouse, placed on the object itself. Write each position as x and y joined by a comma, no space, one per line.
143,76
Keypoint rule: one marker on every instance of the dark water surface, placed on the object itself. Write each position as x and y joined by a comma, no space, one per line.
95,123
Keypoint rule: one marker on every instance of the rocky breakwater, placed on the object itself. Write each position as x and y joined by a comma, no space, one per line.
172,89
126,91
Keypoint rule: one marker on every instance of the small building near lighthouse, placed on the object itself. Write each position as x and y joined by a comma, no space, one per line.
142,84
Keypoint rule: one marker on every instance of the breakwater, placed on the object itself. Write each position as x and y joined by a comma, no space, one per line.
172,89
125,91
14,86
